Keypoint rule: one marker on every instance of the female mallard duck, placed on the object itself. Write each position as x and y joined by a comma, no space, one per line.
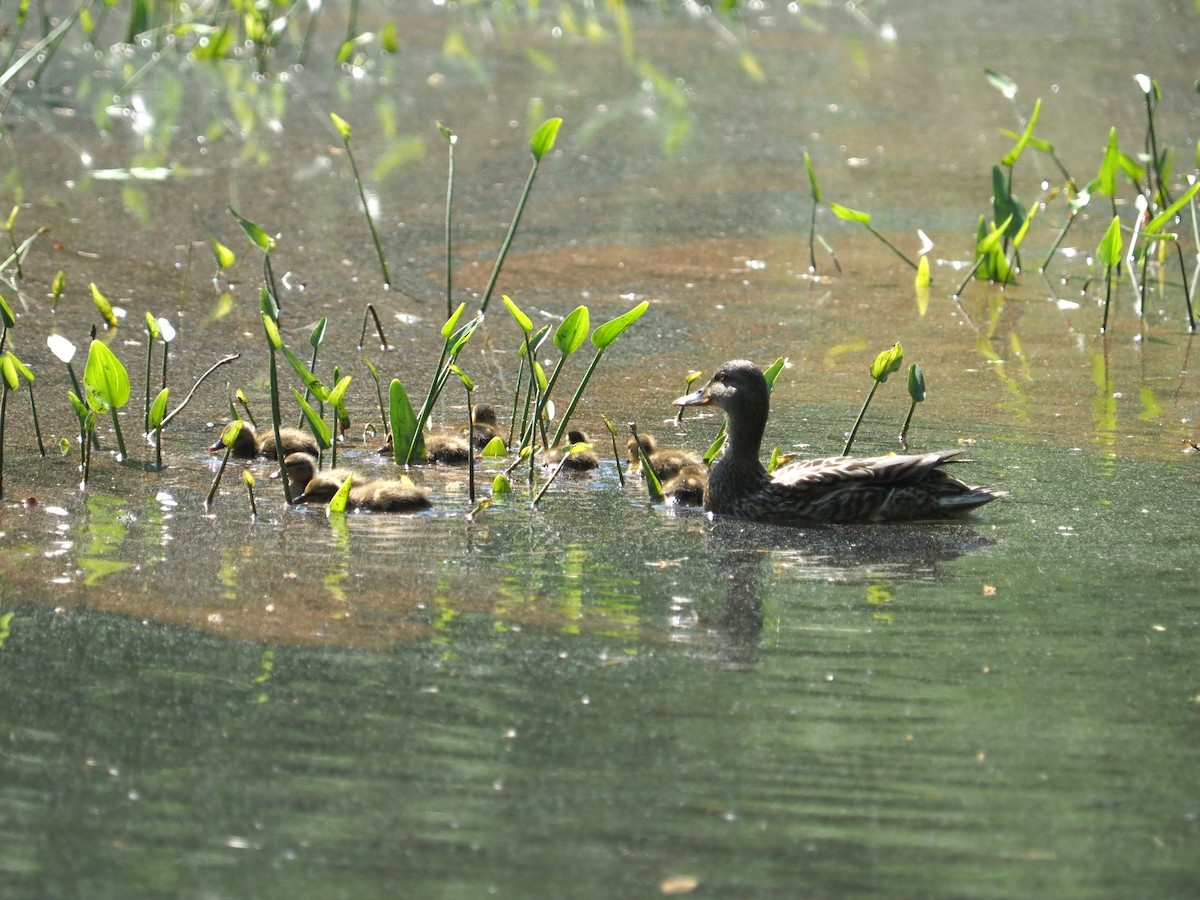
666,461
582,461
382,495
249,443
838,489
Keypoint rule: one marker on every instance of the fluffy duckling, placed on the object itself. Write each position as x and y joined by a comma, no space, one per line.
666,461
686,487
302,468
484,426
249,443
582,461
380,495
440,447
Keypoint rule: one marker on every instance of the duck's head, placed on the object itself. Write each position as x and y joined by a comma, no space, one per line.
738,388
245,443
319,490
301,468
646,439
483,414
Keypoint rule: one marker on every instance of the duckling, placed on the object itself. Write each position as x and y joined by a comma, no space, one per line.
440,447
838,489
686,487
582,461
249,444
666,462
302,468
484,426
380,495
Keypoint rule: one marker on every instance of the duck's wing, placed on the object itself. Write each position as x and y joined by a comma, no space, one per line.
846,471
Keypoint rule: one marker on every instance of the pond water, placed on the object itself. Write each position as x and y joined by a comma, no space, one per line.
602,696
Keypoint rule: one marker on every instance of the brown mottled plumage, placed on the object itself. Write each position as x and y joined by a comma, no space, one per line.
440,447
484,426
582,461
686,486
837,489
382,495
666,461
249,444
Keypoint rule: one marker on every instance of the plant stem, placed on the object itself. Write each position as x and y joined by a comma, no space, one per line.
362,195
566,417
861,414
508,238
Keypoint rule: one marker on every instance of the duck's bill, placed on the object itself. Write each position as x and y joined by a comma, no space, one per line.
697,398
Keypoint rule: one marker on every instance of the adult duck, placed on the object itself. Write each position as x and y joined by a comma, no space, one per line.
837,489
249,443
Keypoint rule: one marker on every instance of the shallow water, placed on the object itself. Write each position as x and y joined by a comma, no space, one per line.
601,695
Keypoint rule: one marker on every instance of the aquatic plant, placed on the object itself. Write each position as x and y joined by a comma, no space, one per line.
1108,254
468,386
106,383
154,422
540,144
345,131
653,485
916,392
885,364
451,140
269,313
864,218
267,244
248,480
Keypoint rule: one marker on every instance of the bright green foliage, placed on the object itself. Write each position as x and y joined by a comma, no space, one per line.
103,306
572,331
887,362
605,334
543,139
257,235
104,379
404,426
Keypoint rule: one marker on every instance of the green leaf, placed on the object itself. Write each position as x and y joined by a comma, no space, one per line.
452,322
11,380
515,311
773,372
342,126
56,287
404,425
225,257
605,334
848,214
338,391
311,381
463,377
6,313
338,502
916,383
887,362
22,369
500,485
1155,225
103,306
812,178
317,335
459,339
1005,207
272,331
572,331
1109,251
267,305
152,326
387,38
1002,83
495,449
923,278
542,141
319,429
1014,154
158,409
258,237
105,381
